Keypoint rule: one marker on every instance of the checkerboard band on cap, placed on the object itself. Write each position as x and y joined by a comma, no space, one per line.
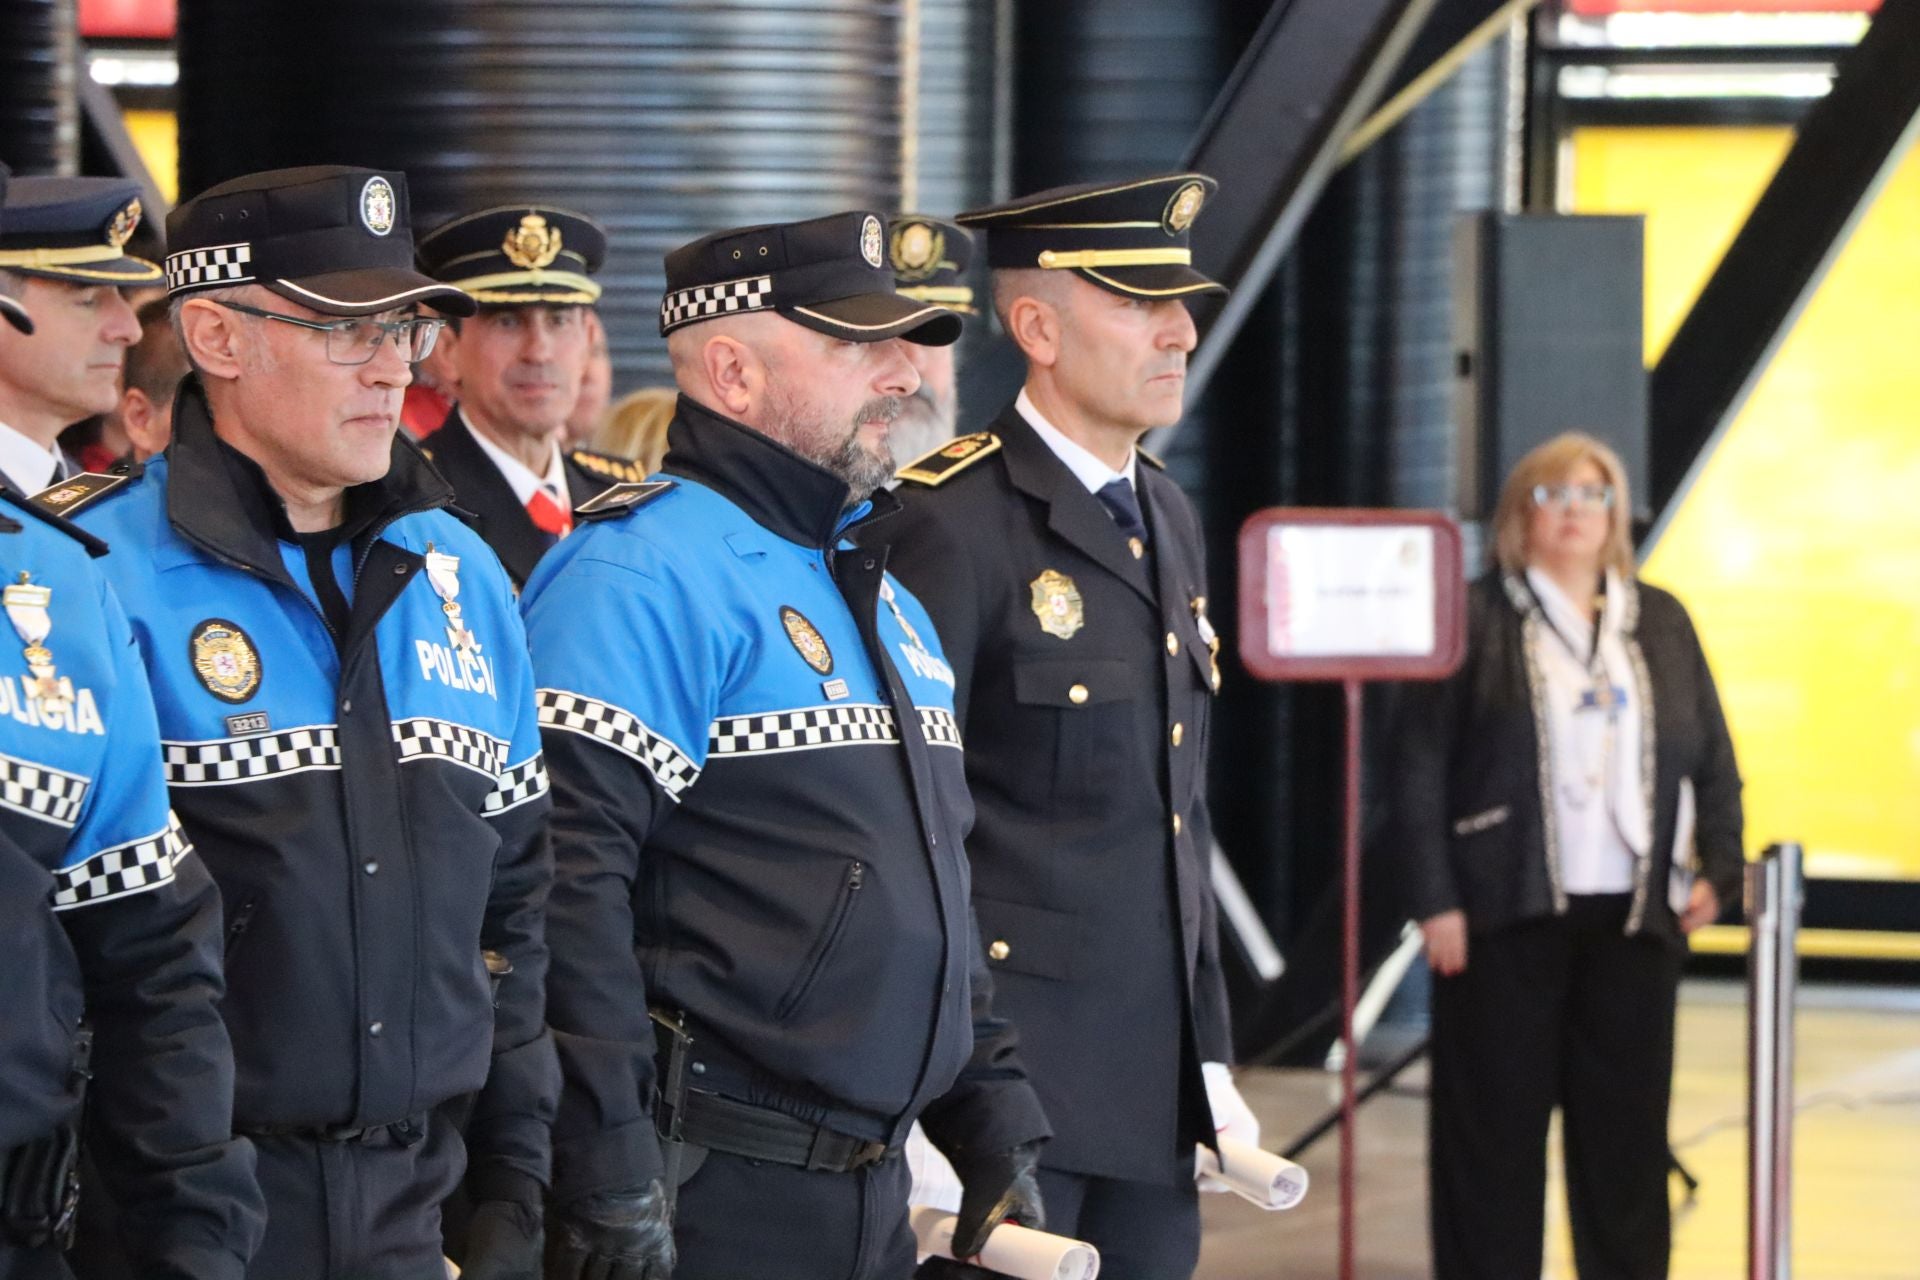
214,267
704,302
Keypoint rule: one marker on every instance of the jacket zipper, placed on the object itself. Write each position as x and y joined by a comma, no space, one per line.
856,876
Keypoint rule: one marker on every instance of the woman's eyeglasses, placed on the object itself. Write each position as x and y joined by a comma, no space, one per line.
1564,497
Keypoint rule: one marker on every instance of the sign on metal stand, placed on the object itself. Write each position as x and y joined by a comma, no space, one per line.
1774,891
1353,596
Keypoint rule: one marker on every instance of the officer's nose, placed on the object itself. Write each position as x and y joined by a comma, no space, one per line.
387,368
119,326
536,338
1177,332
898,374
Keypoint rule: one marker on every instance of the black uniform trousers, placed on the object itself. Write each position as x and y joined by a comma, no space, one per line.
1562,1012
20,1263
741,1219
1144,1230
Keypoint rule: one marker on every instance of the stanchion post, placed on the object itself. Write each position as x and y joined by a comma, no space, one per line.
1773,979
1349,975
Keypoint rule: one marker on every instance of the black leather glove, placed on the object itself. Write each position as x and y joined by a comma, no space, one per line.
996,1187
612,1235
503,1242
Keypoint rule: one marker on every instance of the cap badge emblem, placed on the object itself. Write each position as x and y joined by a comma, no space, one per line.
533,244
378,206
1056,602
807,639
870,247
120,230
225,660
917,249
1184,208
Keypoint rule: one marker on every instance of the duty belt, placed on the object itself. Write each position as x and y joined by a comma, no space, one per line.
761,1133
405,1132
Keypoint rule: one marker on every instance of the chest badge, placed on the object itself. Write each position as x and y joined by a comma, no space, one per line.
1210,636
807,639
28,608
225,660
443,575
1056,602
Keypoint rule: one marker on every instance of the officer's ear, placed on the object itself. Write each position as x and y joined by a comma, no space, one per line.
1034,325
736,373
212,338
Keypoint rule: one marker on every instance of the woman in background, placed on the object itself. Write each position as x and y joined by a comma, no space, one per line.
1552,800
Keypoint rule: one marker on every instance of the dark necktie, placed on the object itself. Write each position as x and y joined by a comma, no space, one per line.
1123,505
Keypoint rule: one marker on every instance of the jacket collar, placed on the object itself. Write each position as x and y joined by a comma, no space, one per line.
789,495
1521,596
218,498
1072,513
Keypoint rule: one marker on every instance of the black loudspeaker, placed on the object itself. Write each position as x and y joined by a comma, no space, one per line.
1548,335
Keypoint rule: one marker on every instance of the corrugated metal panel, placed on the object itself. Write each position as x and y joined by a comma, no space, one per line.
39,114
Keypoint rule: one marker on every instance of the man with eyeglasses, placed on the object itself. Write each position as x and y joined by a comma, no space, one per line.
346,711
518,368
62,259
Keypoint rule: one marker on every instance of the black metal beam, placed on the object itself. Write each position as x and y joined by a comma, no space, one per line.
1454,32
1847,145
1311,73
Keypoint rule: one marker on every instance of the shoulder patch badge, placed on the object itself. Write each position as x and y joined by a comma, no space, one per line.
224,658
74,495
807,639
950,459
607,466
620,498
1057,603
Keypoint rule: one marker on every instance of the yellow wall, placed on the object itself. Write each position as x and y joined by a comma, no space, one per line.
1798,550
156,137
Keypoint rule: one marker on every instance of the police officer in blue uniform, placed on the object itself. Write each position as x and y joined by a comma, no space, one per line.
518,365
113,928
346,710
62,257
1067,576
760,810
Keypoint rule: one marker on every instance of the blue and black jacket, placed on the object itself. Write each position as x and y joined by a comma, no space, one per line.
760,815
107,915
354,752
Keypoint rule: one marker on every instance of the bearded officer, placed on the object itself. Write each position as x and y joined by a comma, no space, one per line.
113,928
518,368
61,258
760,810
347,713
1065,574
930,259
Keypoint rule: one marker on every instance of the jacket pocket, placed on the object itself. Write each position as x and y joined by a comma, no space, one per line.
826,943
1019,938
1485,820
1075,725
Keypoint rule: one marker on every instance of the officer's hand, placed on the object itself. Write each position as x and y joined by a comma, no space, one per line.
503,1242
998,1186
612,1235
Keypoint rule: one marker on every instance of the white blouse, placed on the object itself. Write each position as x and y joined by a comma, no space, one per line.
1594,732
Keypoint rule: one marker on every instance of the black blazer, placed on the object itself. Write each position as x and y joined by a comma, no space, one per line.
479,488
1082,752
1473,821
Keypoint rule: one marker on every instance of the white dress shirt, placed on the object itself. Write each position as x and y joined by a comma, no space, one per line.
1089,470
23,461
522,481
1599,808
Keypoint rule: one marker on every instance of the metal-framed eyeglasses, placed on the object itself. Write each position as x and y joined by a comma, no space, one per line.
356,340
1565,497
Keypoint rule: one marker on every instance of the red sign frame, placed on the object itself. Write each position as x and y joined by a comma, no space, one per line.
1449,594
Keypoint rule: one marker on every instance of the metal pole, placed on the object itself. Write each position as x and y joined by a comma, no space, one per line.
1349,976
1773,971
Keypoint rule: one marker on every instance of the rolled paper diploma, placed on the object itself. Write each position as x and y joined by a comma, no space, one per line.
1010,1250
1256,1176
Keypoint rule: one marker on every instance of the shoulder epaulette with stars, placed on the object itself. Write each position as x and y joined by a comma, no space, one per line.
950,459
621,498
1149,459
75,494
608,466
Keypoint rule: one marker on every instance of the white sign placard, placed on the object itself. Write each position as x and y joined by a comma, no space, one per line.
1363,591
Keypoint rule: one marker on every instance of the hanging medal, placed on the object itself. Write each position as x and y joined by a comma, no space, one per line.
443,573
913,637
27,608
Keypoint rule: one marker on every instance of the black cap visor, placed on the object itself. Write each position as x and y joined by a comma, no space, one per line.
366,291
16,314
1163,280
120,271
875,317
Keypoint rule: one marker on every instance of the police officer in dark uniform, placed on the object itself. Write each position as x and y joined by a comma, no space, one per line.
1065,573
62,258
346,711
519,365
930,257
760,810
113,928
